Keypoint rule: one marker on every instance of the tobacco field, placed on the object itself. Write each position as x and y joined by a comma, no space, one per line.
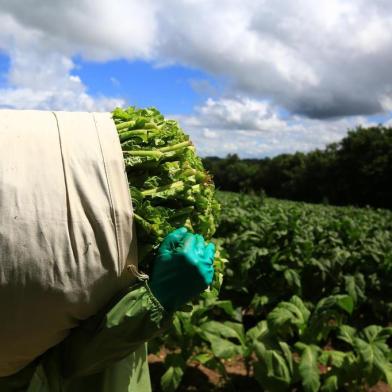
306,300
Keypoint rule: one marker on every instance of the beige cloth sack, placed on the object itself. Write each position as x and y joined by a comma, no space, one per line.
66,227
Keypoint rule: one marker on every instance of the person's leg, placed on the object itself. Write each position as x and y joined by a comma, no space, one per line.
130,374
18,382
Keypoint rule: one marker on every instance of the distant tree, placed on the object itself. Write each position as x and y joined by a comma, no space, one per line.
357,170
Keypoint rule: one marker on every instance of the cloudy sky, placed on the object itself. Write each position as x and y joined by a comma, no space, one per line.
252,77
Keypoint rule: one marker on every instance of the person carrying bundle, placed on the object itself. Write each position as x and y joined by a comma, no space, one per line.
76,311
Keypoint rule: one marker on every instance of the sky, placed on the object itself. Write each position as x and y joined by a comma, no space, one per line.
252,77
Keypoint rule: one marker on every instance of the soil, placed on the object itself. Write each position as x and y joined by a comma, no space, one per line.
198,378
380,387
201,379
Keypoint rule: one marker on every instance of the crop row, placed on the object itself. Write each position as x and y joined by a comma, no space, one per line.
306,299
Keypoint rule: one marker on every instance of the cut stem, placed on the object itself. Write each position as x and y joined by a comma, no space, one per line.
125,125
183,211
144,153
175,147
159,151
143,133
154,191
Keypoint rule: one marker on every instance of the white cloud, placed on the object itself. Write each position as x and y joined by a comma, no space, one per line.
41,77
44,81
208,134
287,65
253,128
27,98
98,29
320,59
244,113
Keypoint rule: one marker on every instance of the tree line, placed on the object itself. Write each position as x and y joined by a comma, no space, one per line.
355,171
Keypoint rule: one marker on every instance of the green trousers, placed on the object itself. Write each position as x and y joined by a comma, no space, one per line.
107,353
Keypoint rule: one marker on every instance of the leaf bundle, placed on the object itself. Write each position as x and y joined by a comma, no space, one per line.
168,184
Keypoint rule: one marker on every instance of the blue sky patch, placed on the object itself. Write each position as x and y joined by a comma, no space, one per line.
4,66
173,89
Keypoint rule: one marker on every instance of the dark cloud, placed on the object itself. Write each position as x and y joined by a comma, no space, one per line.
320,59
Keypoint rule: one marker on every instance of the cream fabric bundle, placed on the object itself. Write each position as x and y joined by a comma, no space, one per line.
66,227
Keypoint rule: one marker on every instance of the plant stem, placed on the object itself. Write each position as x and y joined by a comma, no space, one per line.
163,188
175,147
125,125
183,211
144,153
124,136
159,151
151,126
147,226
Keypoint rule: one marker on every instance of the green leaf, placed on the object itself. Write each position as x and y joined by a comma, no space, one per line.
341,301
218,334
288,355
226,329
223,348
332,357
355,286
293,279
272,371
238,328
188,328
288,317
227,306
202,357
373,350
372,333
345,302
385,333
171,379
330,384
347,334
259,301
308,368
258,331
177,325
